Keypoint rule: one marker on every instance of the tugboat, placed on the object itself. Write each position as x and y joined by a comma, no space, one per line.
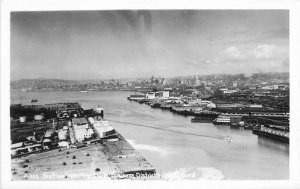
227,139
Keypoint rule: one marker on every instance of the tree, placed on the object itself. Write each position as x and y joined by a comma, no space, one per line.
218,93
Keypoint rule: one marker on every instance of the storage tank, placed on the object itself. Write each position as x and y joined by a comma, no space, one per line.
23,119
62,135
38,117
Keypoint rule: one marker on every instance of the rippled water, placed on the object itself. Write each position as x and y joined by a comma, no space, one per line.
246,157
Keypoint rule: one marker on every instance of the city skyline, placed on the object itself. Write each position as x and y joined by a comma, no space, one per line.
247,75
83,45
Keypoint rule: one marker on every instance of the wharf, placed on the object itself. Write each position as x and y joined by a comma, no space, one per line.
107,160
103,156
277,137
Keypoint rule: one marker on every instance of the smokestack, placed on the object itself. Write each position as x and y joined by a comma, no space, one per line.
53,124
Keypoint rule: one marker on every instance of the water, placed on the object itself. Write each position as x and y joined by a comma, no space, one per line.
246,157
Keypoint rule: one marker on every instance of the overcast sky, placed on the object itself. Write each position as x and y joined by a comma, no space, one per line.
128,44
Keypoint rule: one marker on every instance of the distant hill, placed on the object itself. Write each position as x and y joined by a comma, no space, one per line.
39,84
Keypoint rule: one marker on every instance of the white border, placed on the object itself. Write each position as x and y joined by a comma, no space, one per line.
35,5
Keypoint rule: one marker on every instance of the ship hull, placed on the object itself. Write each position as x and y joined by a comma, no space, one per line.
269,135
221,123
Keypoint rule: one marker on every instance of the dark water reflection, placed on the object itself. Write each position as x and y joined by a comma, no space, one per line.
265,142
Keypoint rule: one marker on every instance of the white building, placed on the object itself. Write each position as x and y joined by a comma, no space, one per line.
103,129
255,106
166,94
270,87
82,132
151,95
62,134
211,105
234,84
64,144
229,91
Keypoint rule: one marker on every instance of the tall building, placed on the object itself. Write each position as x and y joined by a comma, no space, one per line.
197,79
234,84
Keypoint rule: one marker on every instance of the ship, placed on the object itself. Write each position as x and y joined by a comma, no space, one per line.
222,120
227,139
144,100
155,105
206,114
272,132
199,119
136,97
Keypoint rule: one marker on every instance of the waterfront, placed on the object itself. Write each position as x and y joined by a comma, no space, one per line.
246,157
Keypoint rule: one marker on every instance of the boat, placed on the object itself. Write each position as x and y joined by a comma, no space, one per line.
222,120
166,106
136,97
200,119
144,100
155,105
227,139
83,91
34,100
235,121
206,114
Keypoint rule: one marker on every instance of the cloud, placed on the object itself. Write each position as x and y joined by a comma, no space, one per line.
201,61
266,51
191,62
233,52
259,52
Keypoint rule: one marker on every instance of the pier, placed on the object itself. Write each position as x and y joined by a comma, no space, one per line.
276,123
102,155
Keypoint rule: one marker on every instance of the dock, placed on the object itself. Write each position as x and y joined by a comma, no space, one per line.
97,157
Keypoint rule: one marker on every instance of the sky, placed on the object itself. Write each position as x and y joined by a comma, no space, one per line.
81,45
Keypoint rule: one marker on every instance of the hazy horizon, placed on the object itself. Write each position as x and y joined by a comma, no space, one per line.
200,75
94,45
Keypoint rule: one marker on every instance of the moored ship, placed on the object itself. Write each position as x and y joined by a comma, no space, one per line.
222,120
273,132
199,119
136,97
155,105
